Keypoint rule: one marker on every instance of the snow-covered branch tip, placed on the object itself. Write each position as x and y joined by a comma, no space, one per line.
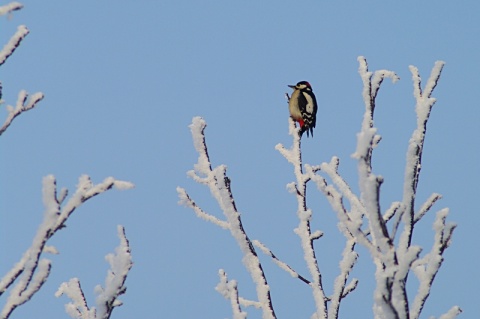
10,7
426,206
78,309
423,108
21,106
367,139
371,85
107,299
203,168
188,202
13,43
85,191
229,290
452,313
120,265
431,83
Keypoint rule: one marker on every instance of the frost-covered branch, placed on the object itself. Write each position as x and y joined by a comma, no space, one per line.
303,230
427,267
423,107
340,288
187,201
390,292
120,264
21,106
357,208
31,271
13,43
229,290
361,218
352,220
219,184
9,8
280,263
77,309
393,264
367,140
452,313
107,299
426,206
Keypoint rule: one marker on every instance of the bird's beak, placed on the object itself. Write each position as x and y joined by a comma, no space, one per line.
291,86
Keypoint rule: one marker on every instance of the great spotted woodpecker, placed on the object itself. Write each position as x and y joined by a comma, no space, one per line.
303,107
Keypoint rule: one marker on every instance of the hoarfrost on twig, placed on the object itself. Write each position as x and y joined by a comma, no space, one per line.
219,184
20,108
107,299
229,290
32,271
10,7
13,43
280,263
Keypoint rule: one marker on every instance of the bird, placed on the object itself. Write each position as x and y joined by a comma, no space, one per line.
303,107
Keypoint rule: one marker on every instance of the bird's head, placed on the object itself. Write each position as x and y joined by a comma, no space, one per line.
302,85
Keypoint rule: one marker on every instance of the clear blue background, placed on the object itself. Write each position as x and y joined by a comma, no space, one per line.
122,81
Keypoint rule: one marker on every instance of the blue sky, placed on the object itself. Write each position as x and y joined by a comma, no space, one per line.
122,81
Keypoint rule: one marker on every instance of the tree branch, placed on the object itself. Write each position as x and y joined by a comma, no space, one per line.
341,290
10,7
387,293
31,271
20,108
229,290
279,263
13,43
303,230
187,201
423,107
427,267
107,299
219,184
